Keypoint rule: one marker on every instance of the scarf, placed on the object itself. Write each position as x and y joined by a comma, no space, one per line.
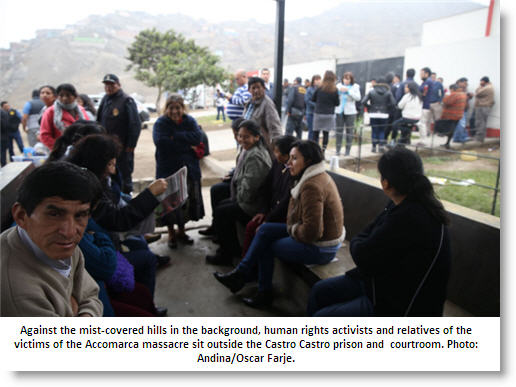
72,108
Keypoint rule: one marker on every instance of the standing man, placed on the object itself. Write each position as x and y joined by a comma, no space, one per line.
484,101
296,108
13,125
262,110
432,108
42,267
269,86
237,101
31,114
119,115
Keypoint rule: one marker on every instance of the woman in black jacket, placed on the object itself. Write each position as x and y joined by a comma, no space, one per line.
379,103
402,258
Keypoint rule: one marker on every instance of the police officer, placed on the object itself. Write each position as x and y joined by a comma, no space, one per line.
13,124
119,115
296,108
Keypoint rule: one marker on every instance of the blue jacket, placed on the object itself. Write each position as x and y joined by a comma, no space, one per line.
310,105
432,92
174,146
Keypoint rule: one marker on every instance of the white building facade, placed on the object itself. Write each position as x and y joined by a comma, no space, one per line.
464,45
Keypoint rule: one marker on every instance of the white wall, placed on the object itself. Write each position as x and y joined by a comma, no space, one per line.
466,26
306,70
471,59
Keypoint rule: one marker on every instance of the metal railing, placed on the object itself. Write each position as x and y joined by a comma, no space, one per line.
359,159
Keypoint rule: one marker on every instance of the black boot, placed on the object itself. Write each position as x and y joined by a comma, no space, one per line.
207,232
234,280
260,299
219,259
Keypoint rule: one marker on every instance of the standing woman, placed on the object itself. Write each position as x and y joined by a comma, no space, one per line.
64,112
47,94
310,105
402,257
326,98
349,93
87,104
175,136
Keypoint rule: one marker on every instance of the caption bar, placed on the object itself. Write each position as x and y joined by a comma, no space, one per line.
225,344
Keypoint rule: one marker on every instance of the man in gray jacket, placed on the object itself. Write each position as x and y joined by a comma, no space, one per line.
262,110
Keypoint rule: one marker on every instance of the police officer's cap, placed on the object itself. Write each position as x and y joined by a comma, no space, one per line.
112,78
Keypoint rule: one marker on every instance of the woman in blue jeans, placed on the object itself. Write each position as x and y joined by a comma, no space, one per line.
312,235
402,257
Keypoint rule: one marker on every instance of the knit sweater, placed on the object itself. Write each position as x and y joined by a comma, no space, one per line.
30,288
235,107
315,214
454,106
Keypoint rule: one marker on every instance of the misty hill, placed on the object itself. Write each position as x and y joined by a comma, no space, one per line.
82,53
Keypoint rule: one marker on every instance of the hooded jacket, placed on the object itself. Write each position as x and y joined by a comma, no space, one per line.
379,99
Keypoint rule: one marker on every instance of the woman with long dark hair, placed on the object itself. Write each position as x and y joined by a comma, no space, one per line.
87,104
98,153
71,135
313,233
402,257
326,98
411,106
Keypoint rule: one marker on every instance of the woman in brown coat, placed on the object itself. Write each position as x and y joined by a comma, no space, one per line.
312,235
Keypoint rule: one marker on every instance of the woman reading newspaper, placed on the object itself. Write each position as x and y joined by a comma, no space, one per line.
98,153
178,144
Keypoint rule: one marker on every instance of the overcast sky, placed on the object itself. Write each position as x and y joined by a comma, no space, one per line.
20,19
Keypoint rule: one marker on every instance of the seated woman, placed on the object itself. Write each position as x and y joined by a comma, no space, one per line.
402,258
411,106
98,154
275,190
312,235
177,136
250,172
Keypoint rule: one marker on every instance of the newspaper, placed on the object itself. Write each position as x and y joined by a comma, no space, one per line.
175,195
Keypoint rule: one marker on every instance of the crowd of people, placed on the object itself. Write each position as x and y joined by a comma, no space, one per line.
81,239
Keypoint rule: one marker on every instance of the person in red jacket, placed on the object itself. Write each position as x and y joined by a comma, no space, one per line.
454,105
64,112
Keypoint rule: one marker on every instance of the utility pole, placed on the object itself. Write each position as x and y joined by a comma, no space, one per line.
278,54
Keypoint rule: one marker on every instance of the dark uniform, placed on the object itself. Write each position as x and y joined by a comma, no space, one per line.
4,137
119,115
296,108
13,124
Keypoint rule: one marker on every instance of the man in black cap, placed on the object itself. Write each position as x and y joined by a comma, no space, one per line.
119,115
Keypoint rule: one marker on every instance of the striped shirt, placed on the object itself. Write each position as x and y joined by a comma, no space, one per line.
235,107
